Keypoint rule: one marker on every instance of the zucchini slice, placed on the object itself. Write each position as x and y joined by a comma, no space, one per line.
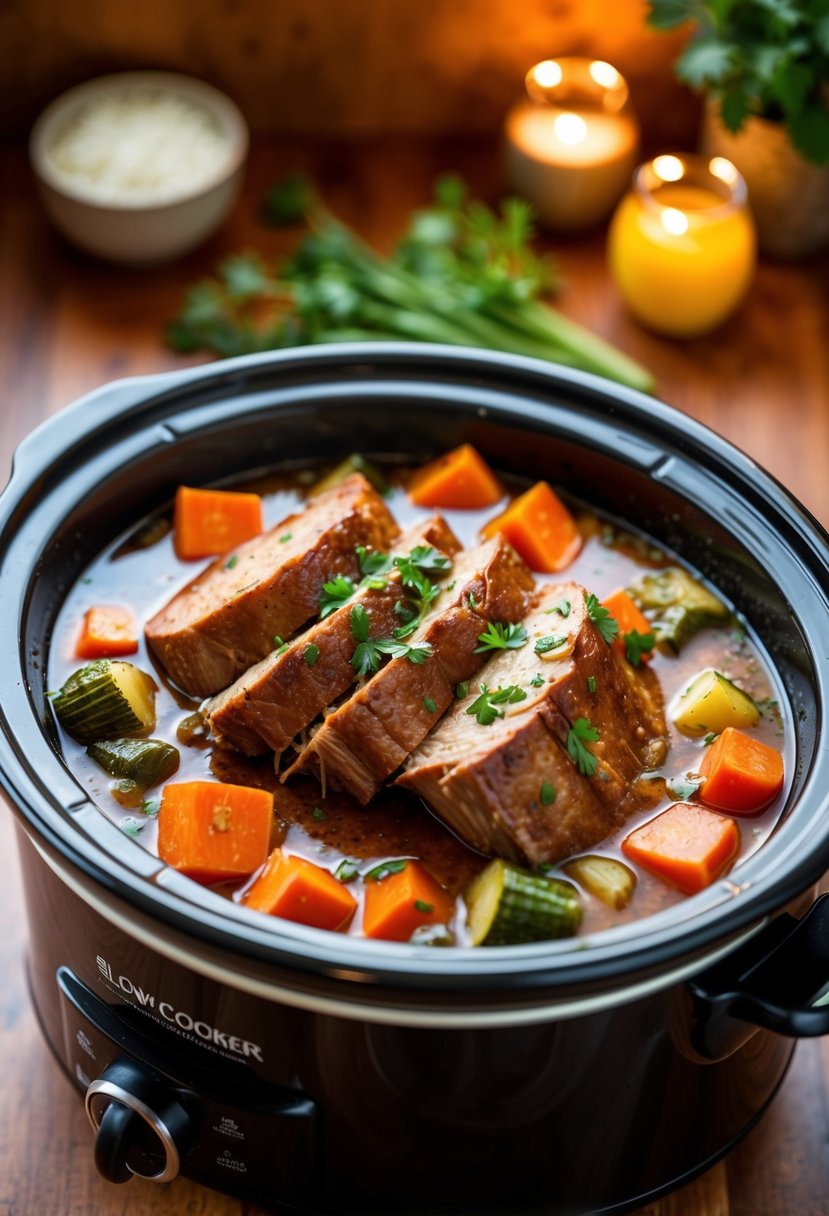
607,879
144,761
710,703
680,606
507,905
355,463
106,699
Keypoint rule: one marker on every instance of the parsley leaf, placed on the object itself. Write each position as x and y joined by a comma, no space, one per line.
637,644
347,870
548,643
334,595
501,637
462,690
562,608
372,562
311,654
580,732
606,624
537,680
547,794
430,704
319,814
484,708
394,866
427,558
420,905
232,561
366,657
591,684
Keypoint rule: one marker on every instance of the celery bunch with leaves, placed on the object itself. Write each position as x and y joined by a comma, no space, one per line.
461,274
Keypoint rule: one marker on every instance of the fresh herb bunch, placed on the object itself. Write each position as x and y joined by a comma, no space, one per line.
764,57
462,274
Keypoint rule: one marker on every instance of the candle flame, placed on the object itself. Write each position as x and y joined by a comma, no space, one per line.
570,129
547,74
723,169
668,168
604,74
675,222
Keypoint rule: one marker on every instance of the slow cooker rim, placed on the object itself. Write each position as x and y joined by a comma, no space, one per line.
652,948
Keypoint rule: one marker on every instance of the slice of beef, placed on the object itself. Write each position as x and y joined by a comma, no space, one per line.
279,697
227,617
366,739
510,787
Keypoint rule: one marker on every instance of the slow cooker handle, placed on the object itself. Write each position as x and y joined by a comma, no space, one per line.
778,980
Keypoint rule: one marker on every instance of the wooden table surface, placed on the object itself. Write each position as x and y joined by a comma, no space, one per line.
68,324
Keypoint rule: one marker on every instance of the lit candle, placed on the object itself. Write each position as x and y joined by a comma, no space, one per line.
571,145
682,244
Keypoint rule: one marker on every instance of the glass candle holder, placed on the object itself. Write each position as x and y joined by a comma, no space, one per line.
682,245
572,142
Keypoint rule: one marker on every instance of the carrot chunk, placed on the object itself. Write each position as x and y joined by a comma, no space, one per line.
107,631
460,479
397,905
686,845
212,832
630,620
540,529
297,890
209,522
742,775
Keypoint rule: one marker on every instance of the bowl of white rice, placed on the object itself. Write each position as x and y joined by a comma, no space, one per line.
139,167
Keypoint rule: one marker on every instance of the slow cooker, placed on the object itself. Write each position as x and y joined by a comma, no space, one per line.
314,1073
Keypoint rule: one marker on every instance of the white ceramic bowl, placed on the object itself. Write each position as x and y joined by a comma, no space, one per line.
139,230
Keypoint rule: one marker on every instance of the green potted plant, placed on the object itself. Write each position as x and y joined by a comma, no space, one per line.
764,67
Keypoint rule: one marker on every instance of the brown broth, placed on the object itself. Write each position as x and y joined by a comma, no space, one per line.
326,829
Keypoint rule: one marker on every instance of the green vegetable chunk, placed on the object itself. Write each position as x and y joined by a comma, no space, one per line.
609,880
711,703
679,604
106,699
144,761
506,905
355,463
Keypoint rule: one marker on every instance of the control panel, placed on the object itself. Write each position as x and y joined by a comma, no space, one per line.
157,1109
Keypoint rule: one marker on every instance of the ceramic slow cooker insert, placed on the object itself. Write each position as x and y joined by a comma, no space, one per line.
318,1073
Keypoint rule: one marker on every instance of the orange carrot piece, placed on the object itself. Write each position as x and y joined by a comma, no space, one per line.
686,845
209,522
460,479
212,832
742,774
297,890
540,529
629,618
397,905
107,631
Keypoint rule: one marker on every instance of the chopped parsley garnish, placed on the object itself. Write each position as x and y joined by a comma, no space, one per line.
684,786
311,654
334,594
591,684
430,704
601,617
580,733
420,905
497,636
372,563
637,644
547,794
462,690
470,599
427,558
150,807
709,739
549,642
319,814
232,561
279,645
485,707
132,826
537,680
420,588
366,657
386,868
285,537
562,608
347,870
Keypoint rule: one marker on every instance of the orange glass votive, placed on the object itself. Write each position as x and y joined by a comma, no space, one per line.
682,246
572,142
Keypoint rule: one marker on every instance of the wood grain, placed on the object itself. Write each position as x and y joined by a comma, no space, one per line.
67,325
